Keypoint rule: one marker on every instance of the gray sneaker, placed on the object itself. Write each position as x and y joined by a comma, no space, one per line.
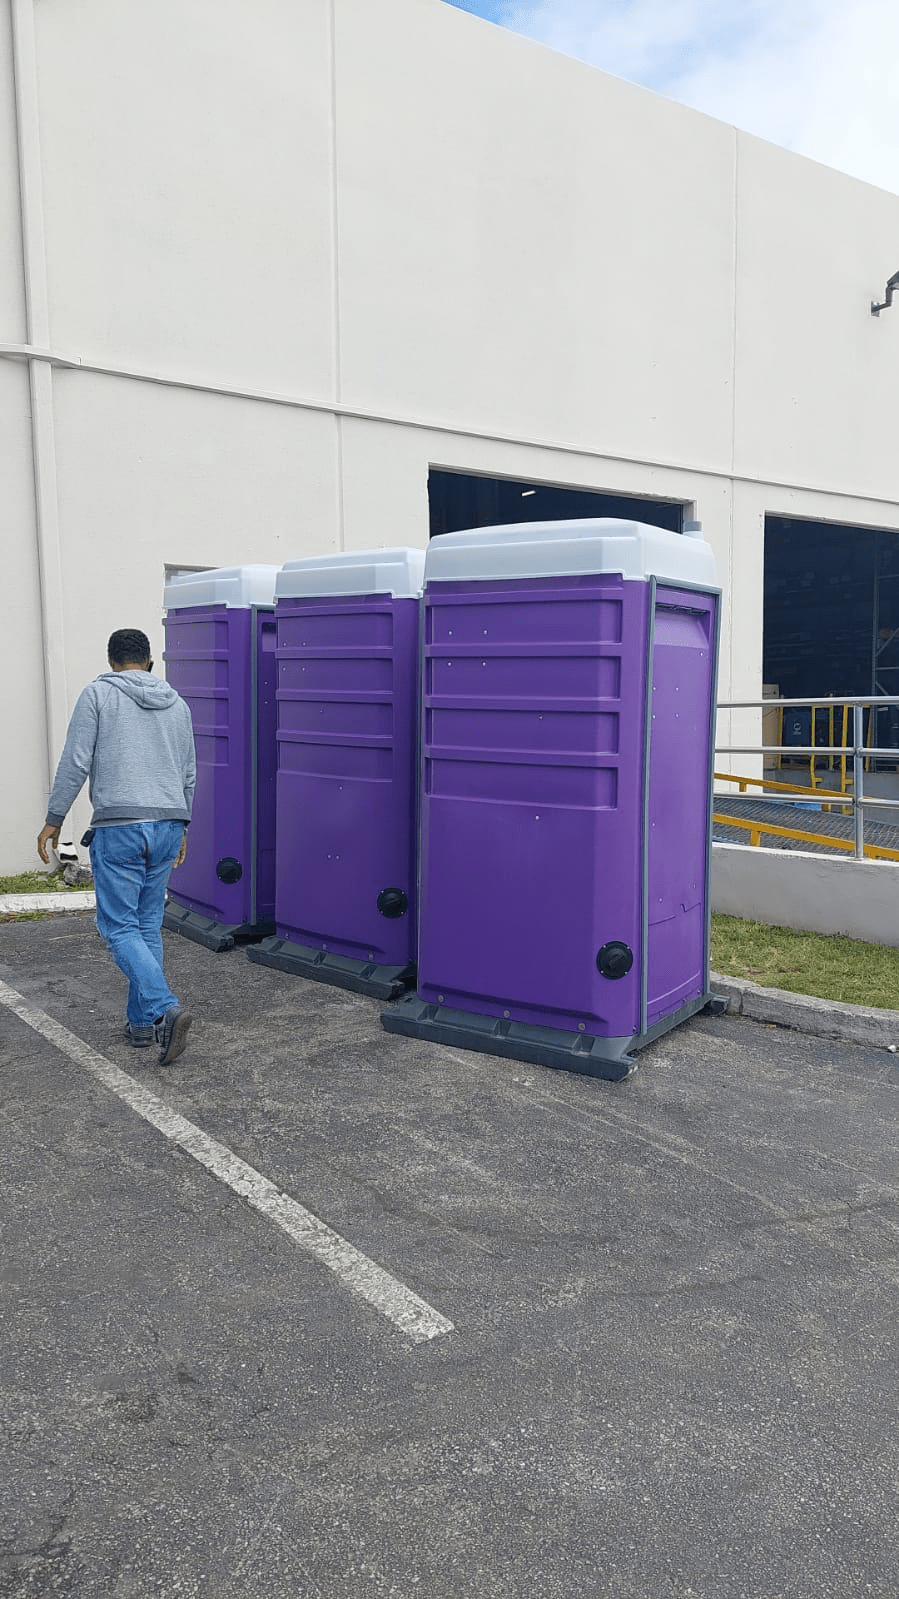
140,1037
171,1034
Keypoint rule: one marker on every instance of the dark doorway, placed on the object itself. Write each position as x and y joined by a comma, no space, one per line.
831,619
462,500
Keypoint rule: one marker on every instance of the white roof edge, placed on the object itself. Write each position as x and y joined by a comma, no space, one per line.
638,550
235,586
397,571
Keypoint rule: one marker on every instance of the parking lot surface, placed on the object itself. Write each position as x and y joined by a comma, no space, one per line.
663,1363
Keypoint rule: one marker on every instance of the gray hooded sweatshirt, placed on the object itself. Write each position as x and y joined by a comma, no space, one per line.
132,736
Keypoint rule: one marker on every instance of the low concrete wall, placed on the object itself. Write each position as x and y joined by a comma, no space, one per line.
817,893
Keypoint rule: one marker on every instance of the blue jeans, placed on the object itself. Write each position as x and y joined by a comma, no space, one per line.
131,865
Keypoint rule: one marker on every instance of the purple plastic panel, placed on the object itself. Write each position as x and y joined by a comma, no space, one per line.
209,660
347,773
266,763
683,676
532,803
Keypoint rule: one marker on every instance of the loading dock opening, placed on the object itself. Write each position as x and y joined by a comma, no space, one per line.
831,630
462,500
831,609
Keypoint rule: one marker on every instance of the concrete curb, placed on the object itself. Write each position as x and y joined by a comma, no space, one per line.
74,901
825,1018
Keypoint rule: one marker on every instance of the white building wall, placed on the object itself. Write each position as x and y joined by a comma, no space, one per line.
816,374
188,187
527,260
298,254
189,479
12,283
23,738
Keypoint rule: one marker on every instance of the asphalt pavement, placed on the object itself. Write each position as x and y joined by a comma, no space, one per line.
663,1363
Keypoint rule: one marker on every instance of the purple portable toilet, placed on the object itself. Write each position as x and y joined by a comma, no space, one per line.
220,656
348,669
567,703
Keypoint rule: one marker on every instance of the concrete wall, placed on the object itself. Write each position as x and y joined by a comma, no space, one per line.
287,257
814,371
533,235
188,187
816,893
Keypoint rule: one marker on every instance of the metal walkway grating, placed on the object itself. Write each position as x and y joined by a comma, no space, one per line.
805,816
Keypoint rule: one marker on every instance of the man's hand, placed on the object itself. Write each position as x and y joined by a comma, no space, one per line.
47,835
182,851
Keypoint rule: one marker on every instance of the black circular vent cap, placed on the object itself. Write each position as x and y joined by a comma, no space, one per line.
393,902
229,870
615,959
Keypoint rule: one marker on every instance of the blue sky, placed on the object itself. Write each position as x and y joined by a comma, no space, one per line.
816,76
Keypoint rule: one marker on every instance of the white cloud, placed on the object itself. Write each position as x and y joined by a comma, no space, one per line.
817,76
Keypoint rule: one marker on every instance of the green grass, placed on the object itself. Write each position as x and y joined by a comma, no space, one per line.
38,883
34,883
842,969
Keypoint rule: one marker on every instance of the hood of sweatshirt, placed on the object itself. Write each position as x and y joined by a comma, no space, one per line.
150,693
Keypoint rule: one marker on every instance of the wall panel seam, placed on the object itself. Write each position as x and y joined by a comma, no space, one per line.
449,429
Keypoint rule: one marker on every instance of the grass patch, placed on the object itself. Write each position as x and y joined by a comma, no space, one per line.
39,883
842,969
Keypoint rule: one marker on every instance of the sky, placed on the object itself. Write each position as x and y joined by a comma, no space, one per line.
817,76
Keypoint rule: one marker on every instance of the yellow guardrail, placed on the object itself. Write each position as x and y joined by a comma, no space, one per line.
841,761
830,711
756,828
853,751
784,788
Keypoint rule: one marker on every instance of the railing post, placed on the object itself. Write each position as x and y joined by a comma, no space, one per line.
858,762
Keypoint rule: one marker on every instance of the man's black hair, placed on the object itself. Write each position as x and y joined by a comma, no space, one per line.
129,645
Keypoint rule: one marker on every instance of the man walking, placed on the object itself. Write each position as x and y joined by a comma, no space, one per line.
131,735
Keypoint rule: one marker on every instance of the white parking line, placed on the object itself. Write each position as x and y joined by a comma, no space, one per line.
418,1320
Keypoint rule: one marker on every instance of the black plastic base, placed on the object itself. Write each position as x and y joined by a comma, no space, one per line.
610,1058
217,936
363,977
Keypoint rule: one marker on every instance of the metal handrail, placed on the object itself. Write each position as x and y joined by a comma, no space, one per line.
860,753
864,700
